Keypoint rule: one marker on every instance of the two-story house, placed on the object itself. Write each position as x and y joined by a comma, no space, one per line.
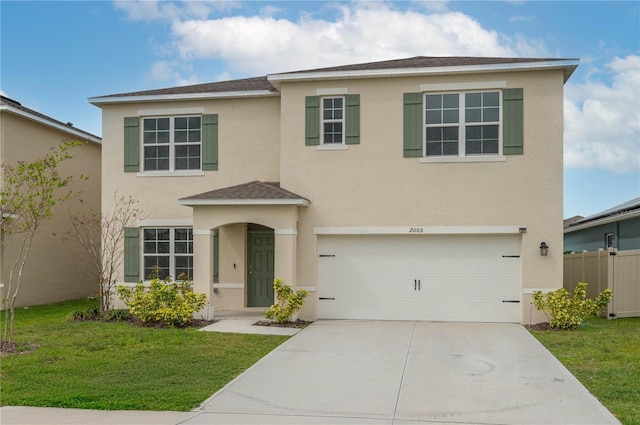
427,188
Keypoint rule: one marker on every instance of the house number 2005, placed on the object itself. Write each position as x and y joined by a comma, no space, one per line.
416,230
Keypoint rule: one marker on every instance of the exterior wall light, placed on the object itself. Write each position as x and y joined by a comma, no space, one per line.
544,249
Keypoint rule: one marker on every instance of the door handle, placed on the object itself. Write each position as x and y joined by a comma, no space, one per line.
250,269
419,285
415,284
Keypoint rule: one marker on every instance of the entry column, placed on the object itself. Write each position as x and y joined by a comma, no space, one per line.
202,270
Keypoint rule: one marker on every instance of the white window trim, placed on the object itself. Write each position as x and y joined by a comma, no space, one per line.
179,173
333,147
154,113
457,87
461,156
172,151
336,91
323,121
474,158
172,254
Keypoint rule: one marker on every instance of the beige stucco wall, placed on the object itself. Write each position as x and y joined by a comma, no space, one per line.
249,137
56,270
371,184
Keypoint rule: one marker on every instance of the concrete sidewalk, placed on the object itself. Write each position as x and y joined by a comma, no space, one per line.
367,372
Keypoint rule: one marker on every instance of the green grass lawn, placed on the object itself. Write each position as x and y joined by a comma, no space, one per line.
95,365
605,356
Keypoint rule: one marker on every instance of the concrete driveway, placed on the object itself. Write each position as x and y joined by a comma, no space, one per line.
381,373
406,373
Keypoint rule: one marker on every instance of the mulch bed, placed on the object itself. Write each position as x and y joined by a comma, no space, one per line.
545,326
297,324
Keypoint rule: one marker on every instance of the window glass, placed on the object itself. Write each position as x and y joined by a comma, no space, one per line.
477,116
172,135
332,120
168,249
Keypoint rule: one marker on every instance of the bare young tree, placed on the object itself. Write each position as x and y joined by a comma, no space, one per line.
30,192
106,247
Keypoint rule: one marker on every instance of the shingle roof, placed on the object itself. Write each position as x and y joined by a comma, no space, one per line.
263,84
245,84
67,126
252,191
424,62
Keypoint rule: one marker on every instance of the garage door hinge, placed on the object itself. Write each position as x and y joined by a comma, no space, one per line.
510,256
511,301
326,298
327,255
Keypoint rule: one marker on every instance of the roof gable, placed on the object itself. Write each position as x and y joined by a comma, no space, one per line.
255,192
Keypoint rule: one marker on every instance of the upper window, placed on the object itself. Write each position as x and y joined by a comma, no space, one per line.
169,251
332,120
172,143
462,124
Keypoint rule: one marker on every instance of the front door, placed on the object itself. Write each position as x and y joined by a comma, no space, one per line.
260,275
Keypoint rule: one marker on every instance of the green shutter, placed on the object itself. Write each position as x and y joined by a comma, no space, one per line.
131,254
312,120
216,257
132,144
512,135
210,142
352,117
413,132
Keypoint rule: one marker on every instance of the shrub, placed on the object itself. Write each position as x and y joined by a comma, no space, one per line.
288,302
116,316
90,313
567,313
173,303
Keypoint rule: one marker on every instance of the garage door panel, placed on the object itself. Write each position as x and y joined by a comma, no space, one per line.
416,277
413,309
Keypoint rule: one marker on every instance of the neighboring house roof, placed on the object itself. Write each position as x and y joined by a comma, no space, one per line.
12,106
569,221
255,192
268,85
620,212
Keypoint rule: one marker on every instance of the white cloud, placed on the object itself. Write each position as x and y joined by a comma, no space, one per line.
362,32
169,72
602,121
152,10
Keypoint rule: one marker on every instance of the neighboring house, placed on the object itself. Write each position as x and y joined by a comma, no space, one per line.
617,227
411,189
56,270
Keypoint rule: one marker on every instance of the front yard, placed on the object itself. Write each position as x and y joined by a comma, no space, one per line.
95,365
605,356
111,366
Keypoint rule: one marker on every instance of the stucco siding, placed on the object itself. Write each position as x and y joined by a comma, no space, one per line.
249,135
56,270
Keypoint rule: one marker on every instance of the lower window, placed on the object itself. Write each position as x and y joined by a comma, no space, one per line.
169,251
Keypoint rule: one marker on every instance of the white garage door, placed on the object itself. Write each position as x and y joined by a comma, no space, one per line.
420,277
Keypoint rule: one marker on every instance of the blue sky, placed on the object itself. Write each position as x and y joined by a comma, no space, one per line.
54,55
